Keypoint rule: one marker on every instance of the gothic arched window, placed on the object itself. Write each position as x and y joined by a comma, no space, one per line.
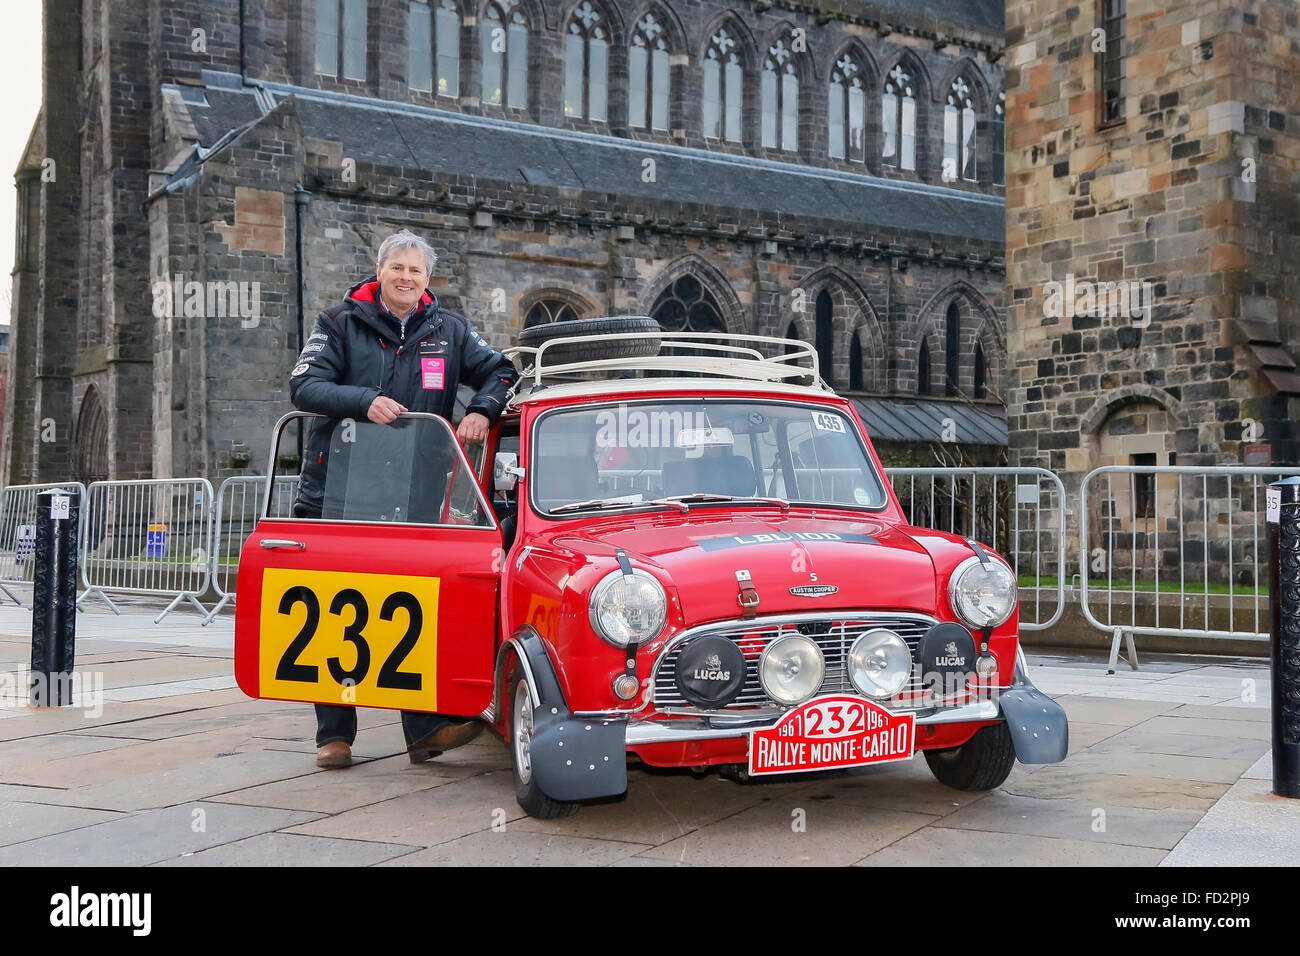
780,99
686,306
1000,140
959,133
855,363
923,369
647,71
824,333
545,311
505,58
433,42
723,82
898,120
981,373
952,346
847,111
586,65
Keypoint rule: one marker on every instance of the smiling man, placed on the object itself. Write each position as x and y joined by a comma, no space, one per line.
387,349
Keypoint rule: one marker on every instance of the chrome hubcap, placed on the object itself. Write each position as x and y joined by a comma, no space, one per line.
523,732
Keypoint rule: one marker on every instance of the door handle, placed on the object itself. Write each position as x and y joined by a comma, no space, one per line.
272,543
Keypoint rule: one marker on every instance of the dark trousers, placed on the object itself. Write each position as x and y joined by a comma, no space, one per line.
338,722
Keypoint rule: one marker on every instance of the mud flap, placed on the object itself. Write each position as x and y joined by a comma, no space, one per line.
1039,729
573,758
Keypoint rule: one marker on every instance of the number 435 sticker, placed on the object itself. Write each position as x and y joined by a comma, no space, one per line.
828,422
337,637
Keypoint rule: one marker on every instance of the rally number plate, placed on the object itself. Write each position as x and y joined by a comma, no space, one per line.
339,637
828,733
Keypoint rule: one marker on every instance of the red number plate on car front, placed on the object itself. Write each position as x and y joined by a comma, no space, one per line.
832,732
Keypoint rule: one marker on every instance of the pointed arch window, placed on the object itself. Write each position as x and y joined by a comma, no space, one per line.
923,369
687,306
1000,140
951,348
433,43
545,311
825,334
847,110
981,373
586,65
780,98
505,58
648,76
898,120
855,363
959,133
723,83
341,38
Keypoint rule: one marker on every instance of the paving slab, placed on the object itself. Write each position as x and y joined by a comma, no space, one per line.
1191,745
27,821
339,790
515,847
292,849
428,817
1074,820
189,782
1064,781
1178,723
1174,767
1238,711
833,834
939,846
142,838
1250,826
1099,711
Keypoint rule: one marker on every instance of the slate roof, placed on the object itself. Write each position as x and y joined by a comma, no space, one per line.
922,420
397,134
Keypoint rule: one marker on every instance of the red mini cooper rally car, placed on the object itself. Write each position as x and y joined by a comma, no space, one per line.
698,561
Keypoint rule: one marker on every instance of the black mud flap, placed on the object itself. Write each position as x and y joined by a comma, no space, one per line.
1039,729
573,758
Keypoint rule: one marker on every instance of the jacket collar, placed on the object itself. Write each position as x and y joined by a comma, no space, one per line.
364,299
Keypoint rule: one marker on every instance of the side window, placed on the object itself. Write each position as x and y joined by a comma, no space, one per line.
409,472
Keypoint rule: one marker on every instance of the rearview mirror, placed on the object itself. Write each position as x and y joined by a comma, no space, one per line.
506,471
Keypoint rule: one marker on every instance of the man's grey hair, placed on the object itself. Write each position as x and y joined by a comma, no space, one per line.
401,241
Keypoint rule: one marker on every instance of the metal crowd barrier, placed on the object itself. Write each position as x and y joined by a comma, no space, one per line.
18,531
148,537
1191,536
1019,511
239,507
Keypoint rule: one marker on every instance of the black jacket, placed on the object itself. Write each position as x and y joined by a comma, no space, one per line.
358,351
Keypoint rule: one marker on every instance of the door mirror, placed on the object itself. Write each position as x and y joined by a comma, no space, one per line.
506,471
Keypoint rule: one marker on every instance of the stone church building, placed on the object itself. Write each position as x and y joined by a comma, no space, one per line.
206,175
1153,223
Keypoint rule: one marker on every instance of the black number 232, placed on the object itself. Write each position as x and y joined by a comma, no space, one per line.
389,675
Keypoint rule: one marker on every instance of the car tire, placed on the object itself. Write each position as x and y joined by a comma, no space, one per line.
519,724
981,763
535,336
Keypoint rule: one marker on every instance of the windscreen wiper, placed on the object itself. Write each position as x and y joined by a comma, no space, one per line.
704,496
621,501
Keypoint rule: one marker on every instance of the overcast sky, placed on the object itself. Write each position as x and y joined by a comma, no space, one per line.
20,79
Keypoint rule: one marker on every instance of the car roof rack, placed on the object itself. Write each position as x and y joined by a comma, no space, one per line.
727,355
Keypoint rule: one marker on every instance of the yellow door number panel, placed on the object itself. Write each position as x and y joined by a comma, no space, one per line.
338,637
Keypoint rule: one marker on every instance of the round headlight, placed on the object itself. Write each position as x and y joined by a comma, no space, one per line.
982,595
627,609
880,663
791,669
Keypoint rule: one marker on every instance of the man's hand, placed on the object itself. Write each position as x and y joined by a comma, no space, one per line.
473,428
384,410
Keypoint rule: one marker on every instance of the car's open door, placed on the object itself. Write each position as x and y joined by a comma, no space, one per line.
382,592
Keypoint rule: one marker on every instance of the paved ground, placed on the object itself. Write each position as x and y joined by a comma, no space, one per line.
1166,766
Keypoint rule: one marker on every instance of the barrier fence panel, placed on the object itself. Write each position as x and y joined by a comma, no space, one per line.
1184,548
148,537
239,507
18,530
1020,512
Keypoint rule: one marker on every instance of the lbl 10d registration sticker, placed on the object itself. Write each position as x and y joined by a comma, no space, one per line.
830,733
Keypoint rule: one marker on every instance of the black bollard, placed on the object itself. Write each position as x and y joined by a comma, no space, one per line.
1283,511
54,599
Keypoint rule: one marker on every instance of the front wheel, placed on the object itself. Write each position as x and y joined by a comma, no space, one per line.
530,796
981,763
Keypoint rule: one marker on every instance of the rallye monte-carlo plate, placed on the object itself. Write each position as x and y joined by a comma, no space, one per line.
828,733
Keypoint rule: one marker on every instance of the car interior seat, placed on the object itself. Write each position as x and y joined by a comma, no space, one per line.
565,478
725,474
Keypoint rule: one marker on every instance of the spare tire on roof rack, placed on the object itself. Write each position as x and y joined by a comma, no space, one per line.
535,336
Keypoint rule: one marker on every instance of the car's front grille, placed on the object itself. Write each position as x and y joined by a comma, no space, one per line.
834,634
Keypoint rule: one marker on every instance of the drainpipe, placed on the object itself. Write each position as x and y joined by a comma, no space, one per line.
301,197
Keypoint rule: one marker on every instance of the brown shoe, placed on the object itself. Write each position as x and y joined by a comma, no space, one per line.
334,756
448,738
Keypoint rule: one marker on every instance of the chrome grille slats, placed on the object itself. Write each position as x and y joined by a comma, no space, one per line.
834,633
